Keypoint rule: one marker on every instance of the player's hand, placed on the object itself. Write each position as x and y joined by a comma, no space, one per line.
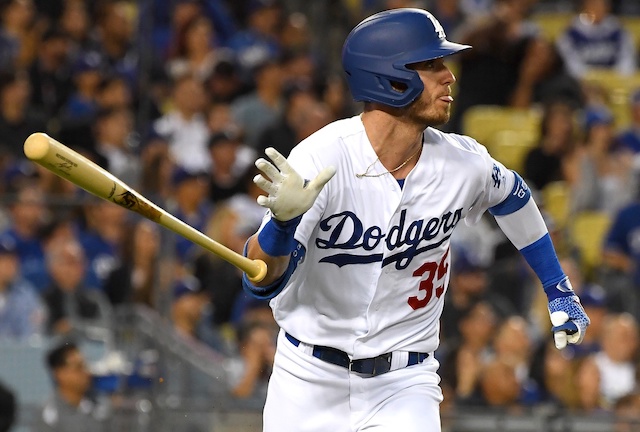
569,320
289,194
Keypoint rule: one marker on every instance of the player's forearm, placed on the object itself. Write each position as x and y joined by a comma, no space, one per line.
520,220
276,265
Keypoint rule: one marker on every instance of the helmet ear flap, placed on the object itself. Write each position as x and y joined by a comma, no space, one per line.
398,86
391,88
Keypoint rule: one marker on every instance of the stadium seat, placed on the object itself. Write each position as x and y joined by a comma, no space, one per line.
632,25
485,122
618,89
555,201
587,231
552,24
511,147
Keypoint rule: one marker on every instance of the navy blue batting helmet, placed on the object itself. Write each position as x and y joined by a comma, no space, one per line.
378,50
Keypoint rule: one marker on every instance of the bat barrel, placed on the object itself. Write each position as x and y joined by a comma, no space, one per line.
68,164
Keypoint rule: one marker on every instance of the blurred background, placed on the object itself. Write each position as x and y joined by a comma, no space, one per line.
109,322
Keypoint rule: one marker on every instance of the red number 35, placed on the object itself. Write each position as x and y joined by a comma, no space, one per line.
434,272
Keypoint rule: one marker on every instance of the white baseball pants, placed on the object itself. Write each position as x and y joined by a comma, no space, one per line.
307,394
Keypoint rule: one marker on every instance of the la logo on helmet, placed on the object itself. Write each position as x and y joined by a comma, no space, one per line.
437,26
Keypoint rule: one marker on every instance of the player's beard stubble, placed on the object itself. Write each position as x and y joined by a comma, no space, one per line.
429,111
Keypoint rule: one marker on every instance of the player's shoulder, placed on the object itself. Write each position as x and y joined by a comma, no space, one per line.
455,142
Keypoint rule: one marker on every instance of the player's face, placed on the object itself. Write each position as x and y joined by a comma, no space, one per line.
433,107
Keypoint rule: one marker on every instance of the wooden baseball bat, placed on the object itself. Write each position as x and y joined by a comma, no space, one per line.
66,163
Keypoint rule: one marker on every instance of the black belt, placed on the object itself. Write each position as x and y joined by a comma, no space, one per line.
370,366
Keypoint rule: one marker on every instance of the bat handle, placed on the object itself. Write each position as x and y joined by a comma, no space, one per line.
259,271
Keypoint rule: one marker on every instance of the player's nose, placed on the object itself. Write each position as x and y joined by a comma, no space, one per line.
448,76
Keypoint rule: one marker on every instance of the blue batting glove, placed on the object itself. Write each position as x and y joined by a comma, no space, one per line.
569,319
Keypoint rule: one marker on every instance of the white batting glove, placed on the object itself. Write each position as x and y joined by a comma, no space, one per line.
569,320
289,194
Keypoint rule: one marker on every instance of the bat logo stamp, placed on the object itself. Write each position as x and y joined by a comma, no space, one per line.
113,190
129,200
66,165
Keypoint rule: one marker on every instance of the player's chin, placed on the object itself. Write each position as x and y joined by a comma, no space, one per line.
438,119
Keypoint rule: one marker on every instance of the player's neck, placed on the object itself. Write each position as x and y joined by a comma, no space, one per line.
392,140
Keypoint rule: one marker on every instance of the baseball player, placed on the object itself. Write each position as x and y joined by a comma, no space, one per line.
357,239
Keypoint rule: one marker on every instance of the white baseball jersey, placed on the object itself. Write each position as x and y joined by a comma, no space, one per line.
377,255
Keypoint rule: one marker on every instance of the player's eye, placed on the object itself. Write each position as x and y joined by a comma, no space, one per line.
430,64
423,65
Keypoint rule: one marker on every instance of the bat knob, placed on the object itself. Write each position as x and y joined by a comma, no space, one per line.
36,146
260,273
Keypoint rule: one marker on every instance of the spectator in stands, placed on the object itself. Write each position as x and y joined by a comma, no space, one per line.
513,346
17,175
190,312
75,22
82,105
499,386
302,115
469,284
230,159
509,65
225,83
296,33
600,179
621,252
545,163
465,358
114,93
629,139
101,237
196,53
230,224
250,370
597,40
627,412
185,127
611,373
50,73
595,299
244,203
258,40
20,33
17,119
259,109
114,43
555,373
220,118
335,95
22,313
135,278
8,408
59,229
113,133
300,66
28,214
189,203
169,19
71,407
70,304
157,167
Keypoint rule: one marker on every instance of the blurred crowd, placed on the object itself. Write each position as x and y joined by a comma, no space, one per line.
178,98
